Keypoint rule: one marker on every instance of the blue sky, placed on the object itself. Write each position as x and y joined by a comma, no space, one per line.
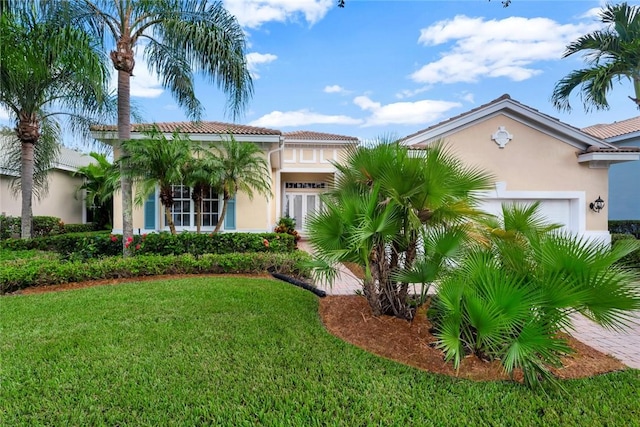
394,67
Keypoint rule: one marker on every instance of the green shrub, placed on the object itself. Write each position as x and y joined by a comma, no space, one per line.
509,299
625,227
80,228
41,226
633,259
23,273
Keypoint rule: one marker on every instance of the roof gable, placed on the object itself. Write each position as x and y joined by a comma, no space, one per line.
514,110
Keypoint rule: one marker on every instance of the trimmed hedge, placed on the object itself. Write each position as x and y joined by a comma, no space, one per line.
101,244
625,227
21,274
633,259
10,226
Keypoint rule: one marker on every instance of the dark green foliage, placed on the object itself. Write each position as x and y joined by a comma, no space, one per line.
101,243
626,226
511,294
631,260
80,228
24,273
286,224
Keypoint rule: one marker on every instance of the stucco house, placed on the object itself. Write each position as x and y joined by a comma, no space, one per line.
62,200
300,164
535,157
624,195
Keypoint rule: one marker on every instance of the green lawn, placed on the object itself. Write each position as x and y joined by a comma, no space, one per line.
238,351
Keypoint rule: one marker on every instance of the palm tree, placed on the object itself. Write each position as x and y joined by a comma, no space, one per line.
101,180
385,201
201,174
50,70
612,54
158,161
241,167
178,37
509,298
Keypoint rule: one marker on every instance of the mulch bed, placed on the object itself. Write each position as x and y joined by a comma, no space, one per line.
349,318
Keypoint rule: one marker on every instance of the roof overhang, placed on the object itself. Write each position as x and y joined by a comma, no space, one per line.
604,160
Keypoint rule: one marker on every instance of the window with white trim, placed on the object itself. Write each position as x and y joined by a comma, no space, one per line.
183,210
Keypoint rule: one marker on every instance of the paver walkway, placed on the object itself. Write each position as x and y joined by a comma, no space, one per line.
625,346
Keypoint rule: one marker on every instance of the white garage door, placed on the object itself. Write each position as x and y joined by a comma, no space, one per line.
554,210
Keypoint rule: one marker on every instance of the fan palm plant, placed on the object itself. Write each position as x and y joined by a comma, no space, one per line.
51,70
240,167
178,38
612,54
385,202
509,298
158,161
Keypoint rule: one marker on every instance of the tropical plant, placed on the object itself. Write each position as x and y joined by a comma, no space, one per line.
287,225
201,174
612,54
157,161
509,298
242,167
178,37
101,180
50,70
400,215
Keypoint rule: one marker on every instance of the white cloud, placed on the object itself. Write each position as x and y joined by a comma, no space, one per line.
407,93
277,119
144,84
254,13
334,89
254,59
403,113
494,48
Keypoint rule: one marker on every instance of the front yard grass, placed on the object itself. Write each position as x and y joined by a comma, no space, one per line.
240,351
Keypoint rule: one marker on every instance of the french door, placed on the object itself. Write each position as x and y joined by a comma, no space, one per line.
299,205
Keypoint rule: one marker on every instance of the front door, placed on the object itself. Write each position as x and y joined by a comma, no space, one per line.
299,205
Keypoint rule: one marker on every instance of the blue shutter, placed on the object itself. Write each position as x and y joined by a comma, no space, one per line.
230,217
150,212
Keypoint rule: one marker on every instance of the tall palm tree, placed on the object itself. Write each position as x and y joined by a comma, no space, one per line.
101,180
241,167
385,201
158,161
612,54
49,70
178,37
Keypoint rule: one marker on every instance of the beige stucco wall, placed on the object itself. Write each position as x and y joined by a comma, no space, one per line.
531,161
61,201
310,157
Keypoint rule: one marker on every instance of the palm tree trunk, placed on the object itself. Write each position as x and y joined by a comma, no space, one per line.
124,134
123,61
26,185
222,214
172,225
28,132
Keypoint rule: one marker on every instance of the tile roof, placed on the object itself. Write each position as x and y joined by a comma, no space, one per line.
318,136
195,127
611,130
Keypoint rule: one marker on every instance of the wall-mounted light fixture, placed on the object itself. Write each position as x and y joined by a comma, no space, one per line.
597,205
